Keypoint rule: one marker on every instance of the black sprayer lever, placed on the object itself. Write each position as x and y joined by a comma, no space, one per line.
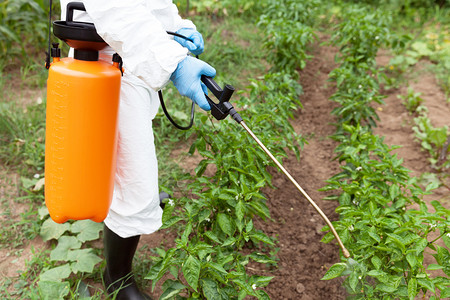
223,108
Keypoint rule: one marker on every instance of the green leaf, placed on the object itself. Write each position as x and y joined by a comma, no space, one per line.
376,261
262,238
43,212
187,231
51,290
373,235
191,271
426,283
225,223
65,243
212,236
88,230
217,267
84,260
335,271
353,280
394,191
240,210
171,288
445,293
56,274
261,209
249,226
380,275
210,289
392,285
52,230
229,241
412,260
432,267
262,281
412,288
446,239
171,221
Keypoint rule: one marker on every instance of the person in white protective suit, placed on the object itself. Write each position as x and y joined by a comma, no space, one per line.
136,30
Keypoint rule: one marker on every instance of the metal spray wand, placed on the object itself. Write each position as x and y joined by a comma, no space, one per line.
224,108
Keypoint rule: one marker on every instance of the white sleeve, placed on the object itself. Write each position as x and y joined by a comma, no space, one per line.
167,13
135,33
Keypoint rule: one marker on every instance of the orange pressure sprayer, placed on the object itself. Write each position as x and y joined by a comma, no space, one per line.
81,124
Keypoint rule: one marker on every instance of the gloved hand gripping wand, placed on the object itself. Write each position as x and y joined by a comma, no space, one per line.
223,108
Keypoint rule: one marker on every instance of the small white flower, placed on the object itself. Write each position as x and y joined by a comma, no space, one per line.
351,228
358,168
360,86
254,286
359,277
171,203
228,210
433,226
208,220
36,176
448,234
377,37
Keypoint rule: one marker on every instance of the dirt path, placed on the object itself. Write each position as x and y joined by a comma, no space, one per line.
303,258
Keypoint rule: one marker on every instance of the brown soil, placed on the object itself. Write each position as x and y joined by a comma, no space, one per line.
303,258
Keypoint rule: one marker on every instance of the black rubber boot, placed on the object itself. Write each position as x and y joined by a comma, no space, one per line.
162,196
118,276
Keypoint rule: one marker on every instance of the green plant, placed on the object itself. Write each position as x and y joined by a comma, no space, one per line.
68,257
288,33
23,28
387,241
287,41
411,100
360,36
22,136
386,238
355,94
435,140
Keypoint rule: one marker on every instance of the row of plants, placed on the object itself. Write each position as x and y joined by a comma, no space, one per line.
217,211
218,239
383,221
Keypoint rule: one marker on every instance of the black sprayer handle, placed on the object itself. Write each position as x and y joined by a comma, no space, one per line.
220,110
71,6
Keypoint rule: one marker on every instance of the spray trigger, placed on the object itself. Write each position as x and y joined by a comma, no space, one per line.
223,108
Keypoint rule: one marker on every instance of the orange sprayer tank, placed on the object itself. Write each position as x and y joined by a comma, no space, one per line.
81,131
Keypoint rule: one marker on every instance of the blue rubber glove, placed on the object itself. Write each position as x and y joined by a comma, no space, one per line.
186,79
196,46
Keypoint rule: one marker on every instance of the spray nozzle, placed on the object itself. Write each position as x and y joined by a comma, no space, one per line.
222,108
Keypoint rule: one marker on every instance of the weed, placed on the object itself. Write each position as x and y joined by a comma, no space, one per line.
411,100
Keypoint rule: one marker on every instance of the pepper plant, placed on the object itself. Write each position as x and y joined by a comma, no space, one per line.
387,238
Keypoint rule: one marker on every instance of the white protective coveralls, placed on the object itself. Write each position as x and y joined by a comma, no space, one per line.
136,30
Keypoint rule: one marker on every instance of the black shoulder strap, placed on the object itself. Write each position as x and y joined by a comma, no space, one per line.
47,60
